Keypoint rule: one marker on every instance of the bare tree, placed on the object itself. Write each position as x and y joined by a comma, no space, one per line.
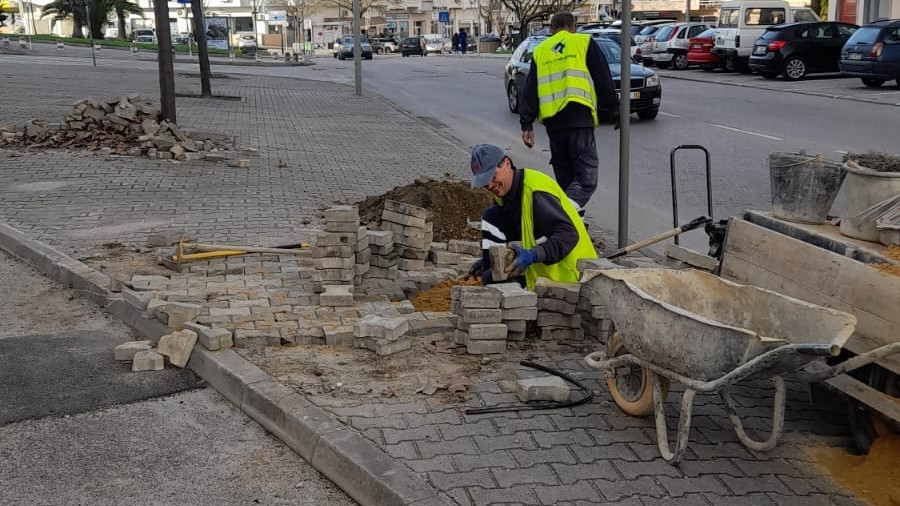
527,11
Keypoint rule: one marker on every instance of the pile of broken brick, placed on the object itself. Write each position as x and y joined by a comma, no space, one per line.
127,125
333,297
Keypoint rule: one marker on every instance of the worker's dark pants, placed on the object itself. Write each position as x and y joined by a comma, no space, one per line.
573,155
497,228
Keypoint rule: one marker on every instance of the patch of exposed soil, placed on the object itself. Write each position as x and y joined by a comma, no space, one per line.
874,477
453,204
122,262
438,297
892,252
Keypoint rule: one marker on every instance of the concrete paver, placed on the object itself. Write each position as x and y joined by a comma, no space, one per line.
337,148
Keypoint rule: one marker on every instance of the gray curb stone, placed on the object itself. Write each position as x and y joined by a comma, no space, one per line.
356,465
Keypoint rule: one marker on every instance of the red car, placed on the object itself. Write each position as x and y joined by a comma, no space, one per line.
700,50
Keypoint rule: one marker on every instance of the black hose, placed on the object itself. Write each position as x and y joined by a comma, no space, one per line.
587,397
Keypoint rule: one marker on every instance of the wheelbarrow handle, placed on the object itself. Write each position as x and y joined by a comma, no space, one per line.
851,364
691,225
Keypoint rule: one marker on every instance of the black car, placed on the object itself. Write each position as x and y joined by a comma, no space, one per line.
646,93
873,53
413,45
797,49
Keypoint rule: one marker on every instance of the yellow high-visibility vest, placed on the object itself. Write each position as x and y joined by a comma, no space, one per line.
562,74
566,270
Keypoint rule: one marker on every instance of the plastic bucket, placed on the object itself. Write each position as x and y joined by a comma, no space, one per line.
865,188
803,186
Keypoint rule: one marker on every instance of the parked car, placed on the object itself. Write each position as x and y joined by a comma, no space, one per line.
413,45
671,43
143,35
700,50
613,34
434,44
646,92
741,22
384,45
346,47
797,49
873,53
247,44
645,36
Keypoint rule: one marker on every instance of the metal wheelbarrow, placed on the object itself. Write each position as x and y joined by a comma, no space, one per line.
708,334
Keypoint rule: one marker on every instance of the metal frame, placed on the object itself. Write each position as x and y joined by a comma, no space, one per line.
709,205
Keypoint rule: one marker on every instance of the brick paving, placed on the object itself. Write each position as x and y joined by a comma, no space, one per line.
339,148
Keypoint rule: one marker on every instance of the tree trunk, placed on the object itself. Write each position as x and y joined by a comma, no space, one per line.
77,19
202,53
120,20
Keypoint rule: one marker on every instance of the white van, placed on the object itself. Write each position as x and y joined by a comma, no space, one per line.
742,22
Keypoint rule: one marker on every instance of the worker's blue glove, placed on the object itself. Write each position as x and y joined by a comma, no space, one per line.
524,258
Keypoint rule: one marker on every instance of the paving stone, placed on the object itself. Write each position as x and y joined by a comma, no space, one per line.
687,500
381,327
338,335
521,494
515,327
332,252
138,300
572,437
528,458
496,459
444,258
569,292
407,209
424,433
404,307
428,449
406,264
514,296
176,314
547,388
616,451
342,227
380,238
125,352
385,347
465,247
402,219
531,423
441,463
336,239
765,483
178,346
551,319
445,418
539,474
148,360
403,451
521,313
556,334
487,331
478,297
343,275
485,347
480,315
552,495
631,470
556,306
211,338
334,263
677,487
336,295
569,474
511,442
342,213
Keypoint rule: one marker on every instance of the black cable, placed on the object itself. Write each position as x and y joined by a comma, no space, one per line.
588,395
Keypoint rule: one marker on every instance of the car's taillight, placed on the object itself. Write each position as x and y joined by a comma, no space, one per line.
737,41
876,50
776,45
637,51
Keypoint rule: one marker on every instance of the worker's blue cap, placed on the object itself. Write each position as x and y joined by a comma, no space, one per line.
485,158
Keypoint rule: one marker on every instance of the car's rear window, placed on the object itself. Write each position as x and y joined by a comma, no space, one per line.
865,35
664,32
709,33
649,30
771,34
728,18
410,41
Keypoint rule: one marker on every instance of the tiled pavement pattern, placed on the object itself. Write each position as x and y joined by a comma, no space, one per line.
594,454
340,148
334,147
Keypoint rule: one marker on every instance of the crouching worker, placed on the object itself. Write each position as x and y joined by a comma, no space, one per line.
531,208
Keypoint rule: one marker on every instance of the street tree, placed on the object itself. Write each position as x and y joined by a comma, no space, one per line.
301,10
490,11
527,11
364,5
64,9
100,11
122,8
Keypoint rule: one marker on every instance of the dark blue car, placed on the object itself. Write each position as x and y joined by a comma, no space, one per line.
646,92
873,53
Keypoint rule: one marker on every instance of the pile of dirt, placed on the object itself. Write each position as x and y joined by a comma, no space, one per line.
881,162
874,477
892,252
452,203
438,298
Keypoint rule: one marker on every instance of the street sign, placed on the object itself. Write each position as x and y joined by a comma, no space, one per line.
276,16
443,17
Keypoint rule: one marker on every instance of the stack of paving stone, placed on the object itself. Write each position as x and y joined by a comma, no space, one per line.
595,318
385,335
363,256
412,231
519,306
558,316
383,258
334,255
457,255
479,320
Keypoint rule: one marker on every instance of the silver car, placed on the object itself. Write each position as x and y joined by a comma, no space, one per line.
433,44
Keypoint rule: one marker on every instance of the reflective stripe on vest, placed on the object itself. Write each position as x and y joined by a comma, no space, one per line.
566,270
563,76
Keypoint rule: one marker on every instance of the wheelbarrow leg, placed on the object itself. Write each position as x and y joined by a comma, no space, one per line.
777,419
684,422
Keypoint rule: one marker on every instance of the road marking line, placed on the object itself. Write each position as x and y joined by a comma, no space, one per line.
669,115
772,137
841,151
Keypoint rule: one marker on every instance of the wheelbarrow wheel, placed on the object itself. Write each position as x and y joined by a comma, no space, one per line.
630,385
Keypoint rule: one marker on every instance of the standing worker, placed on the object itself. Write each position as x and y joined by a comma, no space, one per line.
463,40
531,208
455,41
569,81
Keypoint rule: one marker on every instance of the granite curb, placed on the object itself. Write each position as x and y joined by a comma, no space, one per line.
353,463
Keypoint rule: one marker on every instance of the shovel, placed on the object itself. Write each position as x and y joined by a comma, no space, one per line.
696,223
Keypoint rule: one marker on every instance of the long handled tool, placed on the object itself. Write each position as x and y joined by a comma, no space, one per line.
696,223
220,250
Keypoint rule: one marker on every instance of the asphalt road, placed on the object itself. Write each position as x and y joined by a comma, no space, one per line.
78,428
464,99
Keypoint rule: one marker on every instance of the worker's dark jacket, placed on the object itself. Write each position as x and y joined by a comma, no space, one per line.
573,115
550,222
